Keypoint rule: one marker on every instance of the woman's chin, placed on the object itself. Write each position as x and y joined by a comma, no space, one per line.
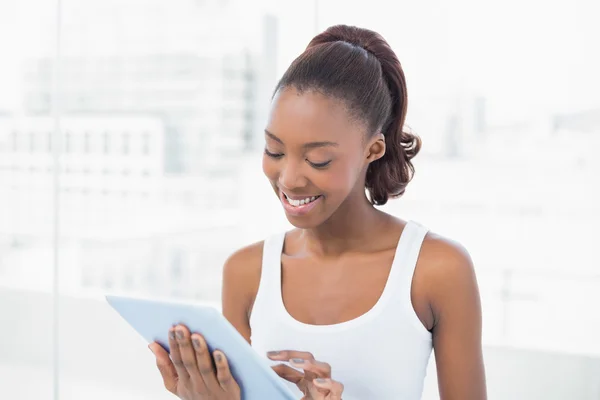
303,222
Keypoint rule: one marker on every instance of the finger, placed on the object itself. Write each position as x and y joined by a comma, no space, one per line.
165,367
286,355
182,374
299,357
335,388
312,366
224,374
205,366
188,354
288,373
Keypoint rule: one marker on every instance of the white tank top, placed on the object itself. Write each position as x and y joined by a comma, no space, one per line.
380,355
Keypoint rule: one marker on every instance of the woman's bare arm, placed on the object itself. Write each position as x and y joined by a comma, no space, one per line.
241,278
456,306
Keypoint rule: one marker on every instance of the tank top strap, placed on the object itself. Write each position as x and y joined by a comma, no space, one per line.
404,264
407,252
270,276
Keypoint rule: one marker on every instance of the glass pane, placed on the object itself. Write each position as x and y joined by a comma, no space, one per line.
164,106
27,43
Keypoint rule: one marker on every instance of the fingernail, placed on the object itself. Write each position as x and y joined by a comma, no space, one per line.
172,335
218,357
196,343
297,360
150,348
320,380
273,353
179,334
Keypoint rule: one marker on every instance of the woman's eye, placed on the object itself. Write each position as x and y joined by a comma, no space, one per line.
273,155
319,165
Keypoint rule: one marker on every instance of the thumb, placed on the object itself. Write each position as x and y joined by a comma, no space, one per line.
165,367
327,389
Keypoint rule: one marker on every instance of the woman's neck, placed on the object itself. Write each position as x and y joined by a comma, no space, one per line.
347,229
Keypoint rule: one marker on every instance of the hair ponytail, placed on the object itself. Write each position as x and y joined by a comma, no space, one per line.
389,176
359,67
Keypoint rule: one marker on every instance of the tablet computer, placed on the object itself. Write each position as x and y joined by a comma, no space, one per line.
153,318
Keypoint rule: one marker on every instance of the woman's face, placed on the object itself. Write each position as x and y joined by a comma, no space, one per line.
315,155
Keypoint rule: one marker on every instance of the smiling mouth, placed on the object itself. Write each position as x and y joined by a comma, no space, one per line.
302,202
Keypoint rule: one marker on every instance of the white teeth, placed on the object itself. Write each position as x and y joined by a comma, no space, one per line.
302,202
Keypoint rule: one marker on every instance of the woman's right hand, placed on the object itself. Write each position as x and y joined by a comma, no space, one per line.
190,373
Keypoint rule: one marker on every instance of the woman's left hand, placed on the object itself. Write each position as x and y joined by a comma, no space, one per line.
315,382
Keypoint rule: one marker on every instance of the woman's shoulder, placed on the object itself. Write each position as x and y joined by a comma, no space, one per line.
443,259
244,264
446,266
438,250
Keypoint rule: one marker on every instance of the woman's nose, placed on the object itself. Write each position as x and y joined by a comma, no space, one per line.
291,176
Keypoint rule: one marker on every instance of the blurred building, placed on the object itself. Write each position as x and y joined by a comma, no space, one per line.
124,222
205,104
182,62
158,102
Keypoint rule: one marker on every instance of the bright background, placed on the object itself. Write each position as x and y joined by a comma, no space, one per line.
130,147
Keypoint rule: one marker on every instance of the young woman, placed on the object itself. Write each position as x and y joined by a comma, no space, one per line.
351,302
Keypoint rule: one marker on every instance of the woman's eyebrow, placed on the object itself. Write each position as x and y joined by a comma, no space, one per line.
309,145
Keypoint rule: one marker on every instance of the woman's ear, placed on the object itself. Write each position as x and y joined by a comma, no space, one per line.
376,148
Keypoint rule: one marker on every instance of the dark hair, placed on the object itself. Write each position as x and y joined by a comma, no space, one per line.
358,67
